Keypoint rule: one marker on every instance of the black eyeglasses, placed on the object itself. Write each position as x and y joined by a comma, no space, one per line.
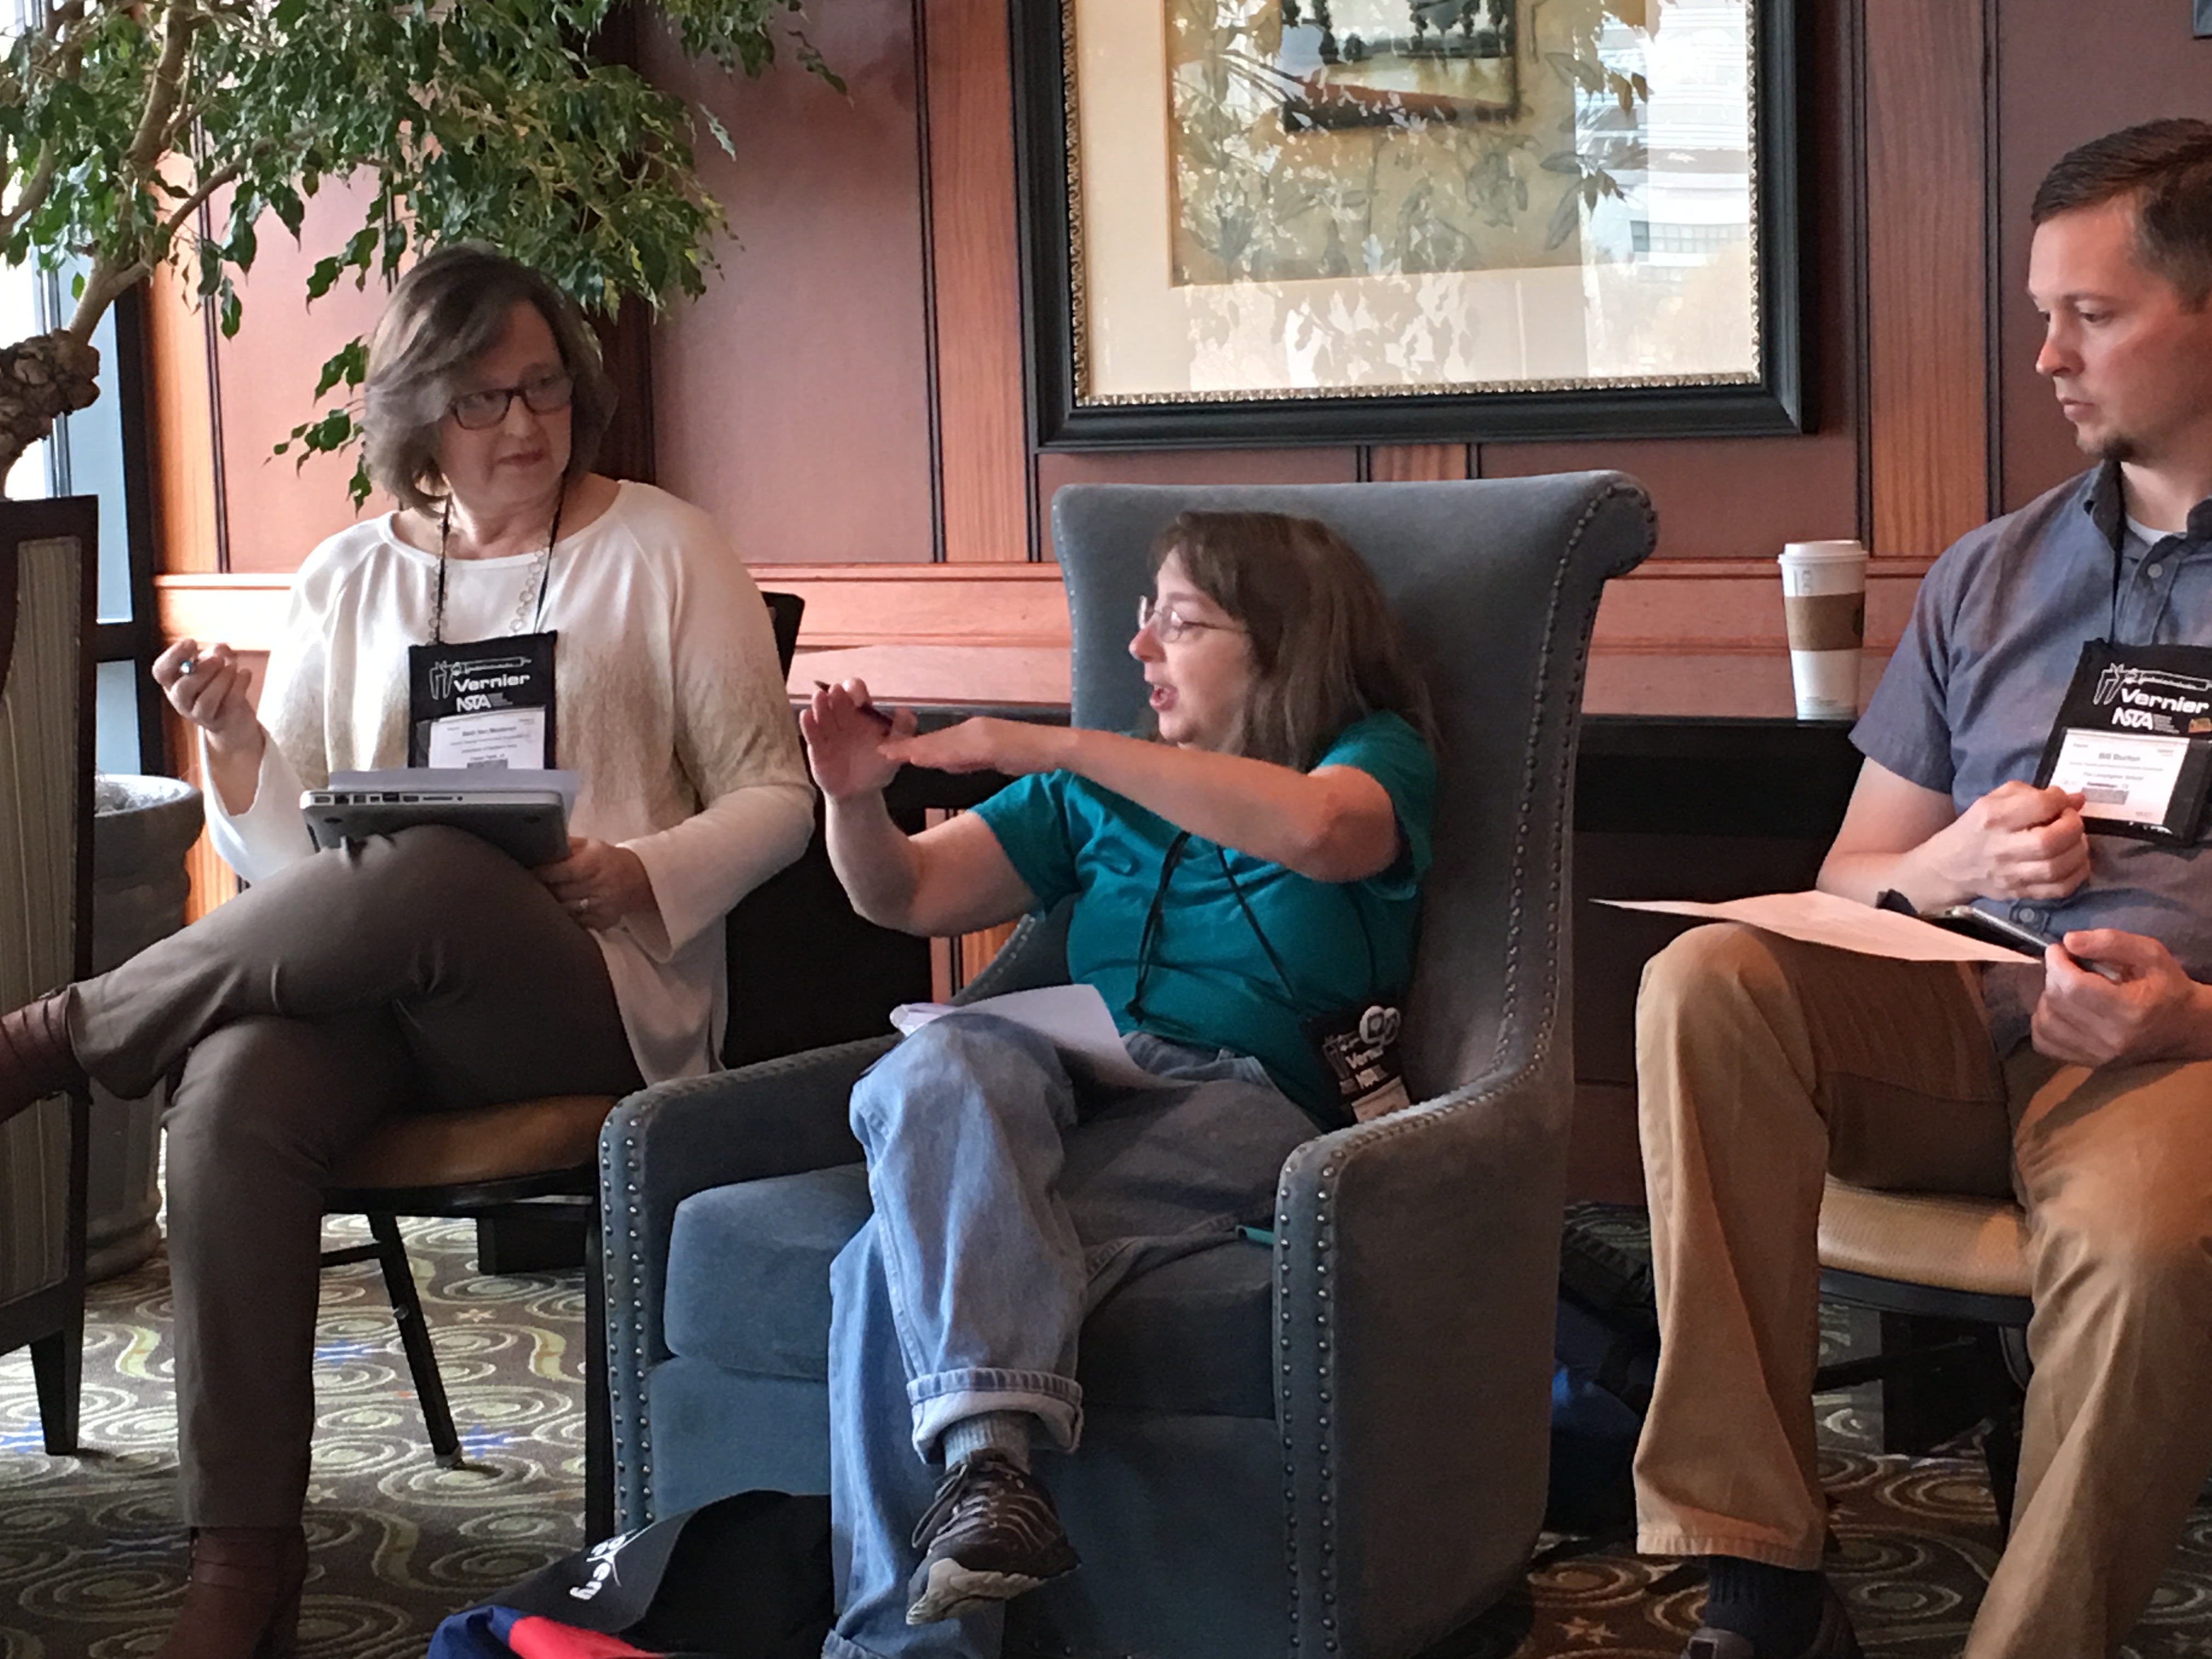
1169,625
475,411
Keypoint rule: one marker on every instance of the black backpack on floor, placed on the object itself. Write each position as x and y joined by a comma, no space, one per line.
1605,1353
743,1578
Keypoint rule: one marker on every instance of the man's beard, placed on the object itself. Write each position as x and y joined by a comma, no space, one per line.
2118,446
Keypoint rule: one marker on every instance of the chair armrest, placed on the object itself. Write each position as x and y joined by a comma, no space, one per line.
1035,954
669,1141
1417,1264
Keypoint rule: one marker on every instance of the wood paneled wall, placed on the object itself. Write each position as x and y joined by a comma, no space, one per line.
1927,275
849,393
984,485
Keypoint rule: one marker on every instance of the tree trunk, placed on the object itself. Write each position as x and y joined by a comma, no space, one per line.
41,378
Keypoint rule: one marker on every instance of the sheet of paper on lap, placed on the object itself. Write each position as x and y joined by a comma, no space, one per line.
1071,1018
1825,919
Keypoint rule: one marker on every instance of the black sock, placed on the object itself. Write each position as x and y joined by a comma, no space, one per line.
1777,1608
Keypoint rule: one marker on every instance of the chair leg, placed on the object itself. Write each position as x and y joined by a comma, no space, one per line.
2007,1398
57,1367
415,1338
599,1410
2001,1454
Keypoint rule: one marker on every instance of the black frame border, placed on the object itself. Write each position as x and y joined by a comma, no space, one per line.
1777,403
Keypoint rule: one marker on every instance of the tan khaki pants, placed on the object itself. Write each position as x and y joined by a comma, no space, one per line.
1763,1063
419,970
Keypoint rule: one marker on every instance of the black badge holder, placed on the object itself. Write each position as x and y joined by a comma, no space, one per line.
2159,691
515,670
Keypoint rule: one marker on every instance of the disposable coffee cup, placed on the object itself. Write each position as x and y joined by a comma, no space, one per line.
1824,607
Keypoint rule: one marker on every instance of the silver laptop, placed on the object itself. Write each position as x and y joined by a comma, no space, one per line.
528,822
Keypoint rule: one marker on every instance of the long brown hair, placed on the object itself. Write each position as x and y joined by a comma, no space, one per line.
1325,649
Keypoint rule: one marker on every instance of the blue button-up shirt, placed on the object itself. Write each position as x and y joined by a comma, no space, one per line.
1970,697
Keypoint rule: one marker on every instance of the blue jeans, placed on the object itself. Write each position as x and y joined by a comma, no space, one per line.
1010,1200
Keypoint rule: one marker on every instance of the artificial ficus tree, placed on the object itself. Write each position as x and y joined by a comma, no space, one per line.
139,132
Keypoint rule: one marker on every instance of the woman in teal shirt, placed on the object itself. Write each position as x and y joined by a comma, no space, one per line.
1244,886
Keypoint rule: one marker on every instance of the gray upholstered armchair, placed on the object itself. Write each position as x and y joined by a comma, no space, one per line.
1332,1444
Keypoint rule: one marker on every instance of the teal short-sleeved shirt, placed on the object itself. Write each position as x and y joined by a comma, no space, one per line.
1210,982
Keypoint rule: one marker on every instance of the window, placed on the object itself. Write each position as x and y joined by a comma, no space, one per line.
102,451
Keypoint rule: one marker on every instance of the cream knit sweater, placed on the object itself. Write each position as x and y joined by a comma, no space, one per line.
669,708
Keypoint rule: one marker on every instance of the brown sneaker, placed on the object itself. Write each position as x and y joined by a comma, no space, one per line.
991,1535
36,1057
1834,1639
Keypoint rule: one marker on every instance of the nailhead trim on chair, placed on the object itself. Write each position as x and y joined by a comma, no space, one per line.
1538,1052
625,1323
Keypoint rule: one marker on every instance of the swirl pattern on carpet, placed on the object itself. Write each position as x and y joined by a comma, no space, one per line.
92,1556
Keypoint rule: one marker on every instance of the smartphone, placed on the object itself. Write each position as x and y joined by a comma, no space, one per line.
1991,929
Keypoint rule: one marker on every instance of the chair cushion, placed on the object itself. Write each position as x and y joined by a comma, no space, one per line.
748,1289
490,1143
1960,1243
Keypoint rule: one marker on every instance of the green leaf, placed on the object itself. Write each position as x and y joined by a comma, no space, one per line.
467,118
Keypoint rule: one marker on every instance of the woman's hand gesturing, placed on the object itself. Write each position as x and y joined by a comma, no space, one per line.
985,743
845,736
207,686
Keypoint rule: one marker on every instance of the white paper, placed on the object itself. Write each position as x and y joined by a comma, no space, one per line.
483,780
2125,777
1826,919
1071,1018
501,739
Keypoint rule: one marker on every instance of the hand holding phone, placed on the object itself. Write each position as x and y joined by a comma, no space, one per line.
1991,929
1988,927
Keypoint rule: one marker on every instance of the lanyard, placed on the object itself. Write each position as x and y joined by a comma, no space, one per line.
532,589
1145,940
1150,938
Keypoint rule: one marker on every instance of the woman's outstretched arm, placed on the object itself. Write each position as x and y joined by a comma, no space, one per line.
1335,823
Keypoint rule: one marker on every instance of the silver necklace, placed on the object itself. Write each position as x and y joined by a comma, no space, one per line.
534,588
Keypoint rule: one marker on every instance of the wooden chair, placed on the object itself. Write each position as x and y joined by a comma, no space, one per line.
495,1164
1919,1257
49,554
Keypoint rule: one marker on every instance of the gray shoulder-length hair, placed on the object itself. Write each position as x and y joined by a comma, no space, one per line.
445,314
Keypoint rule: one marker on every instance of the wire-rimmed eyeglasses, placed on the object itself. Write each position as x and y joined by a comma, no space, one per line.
1169,625
475,411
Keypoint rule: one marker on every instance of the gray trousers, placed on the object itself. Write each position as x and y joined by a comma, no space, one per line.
422,971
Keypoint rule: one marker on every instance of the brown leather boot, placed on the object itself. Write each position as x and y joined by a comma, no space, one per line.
242,1600
36,1057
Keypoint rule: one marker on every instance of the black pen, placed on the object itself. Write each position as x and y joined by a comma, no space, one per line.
867,709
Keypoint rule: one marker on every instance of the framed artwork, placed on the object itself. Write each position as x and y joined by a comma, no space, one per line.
1376,221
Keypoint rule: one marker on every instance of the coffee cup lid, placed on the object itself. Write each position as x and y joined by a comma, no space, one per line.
1822,552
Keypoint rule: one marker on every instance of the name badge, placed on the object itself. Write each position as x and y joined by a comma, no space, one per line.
485,704
1358,1048
2133,739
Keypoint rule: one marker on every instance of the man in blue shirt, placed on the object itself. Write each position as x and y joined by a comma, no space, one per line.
1764,1064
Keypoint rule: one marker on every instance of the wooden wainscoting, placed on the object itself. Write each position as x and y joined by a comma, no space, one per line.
1681,637
1677,636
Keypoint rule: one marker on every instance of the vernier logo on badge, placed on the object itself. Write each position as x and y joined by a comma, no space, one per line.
1824,607
2151,701
493,674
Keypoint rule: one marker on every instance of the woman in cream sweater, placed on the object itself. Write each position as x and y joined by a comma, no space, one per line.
426,969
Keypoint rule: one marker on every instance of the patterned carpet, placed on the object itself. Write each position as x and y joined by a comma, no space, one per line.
91,1555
